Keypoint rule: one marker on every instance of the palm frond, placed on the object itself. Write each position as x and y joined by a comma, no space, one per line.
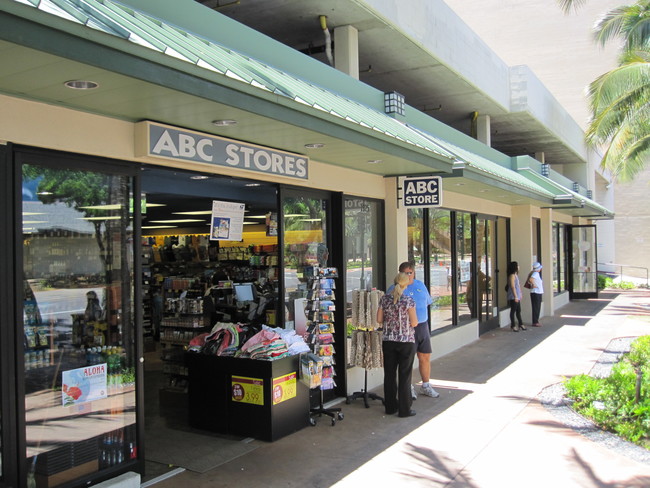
568,5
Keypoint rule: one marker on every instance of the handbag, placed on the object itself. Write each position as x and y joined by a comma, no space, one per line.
528,284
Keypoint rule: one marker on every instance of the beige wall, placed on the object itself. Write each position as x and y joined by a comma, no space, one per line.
46,126
632,225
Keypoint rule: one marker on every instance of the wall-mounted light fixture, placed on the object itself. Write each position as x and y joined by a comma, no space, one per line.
394,103
576,187
590,194
546,169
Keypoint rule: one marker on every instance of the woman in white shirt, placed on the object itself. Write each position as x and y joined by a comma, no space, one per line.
536,293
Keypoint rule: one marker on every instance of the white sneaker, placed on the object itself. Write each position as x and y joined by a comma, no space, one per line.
414,395
427,389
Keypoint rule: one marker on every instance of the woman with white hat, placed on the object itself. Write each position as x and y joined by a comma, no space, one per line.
536,292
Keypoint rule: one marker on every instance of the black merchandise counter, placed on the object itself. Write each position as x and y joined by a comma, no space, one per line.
247,397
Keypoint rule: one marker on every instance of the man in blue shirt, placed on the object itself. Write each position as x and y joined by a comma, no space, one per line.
419,292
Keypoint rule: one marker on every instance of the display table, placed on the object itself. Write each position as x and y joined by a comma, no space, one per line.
247,397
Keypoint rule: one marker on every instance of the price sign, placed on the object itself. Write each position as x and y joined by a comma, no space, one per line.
247,390
284,388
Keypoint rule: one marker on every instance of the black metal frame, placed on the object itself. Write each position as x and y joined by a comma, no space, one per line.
569,234
12,320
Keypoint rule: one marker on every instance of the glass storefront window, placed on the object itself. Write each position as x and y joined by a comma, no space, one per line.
363,246
561,249
78,324
305,244
485,270
415,222
559,258
463,263
441,268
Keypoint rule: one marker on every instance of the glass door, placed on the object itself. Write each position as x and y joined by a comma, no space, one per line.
583,270
78,356
485,273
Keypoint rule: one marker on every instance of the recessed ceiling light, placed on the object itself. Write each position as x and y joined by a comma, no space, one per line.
156,205
375,161
159,226
115,206
460,184
45,193
194,212
483,191
199,177
81,84
176,221
256,216
296,215
224,122
108,217
253,184
314,145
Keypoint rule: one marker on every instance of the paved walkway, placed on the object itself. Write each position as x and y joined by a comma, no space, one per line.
487,429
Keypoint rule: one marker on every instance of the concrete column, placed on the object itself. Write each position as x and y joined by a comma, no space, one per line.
541,157
483,130
346,50
521,232
546,231
396,231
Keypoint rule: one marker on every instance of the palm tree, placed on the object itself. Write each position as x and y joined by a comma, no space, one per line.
620,99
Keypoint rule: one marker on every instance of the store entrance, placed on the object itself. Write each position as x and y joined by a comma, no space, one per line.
190,282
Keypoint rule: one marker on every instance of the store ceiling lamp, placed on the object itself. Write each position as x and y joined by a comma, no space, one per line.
105,217
394,103
115,206
176,221
224,122
81,84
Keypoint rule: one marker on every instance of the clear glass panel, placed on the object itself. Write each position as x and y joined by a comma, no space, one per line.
502,252
555,251
584,259
463,262
415,224
562,256
79,352
363,245
485,270
536,253
305,244
441,268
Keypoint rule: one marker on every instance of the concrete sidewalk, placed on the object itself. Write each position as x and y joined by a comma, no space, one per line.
487,429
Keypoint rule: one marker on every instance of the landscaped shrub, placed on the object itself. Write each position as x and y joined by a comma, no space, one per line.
606,282
620,402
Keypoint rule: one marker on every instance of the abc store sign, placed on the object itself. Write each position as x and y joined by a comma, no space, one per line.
168,142
424,191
